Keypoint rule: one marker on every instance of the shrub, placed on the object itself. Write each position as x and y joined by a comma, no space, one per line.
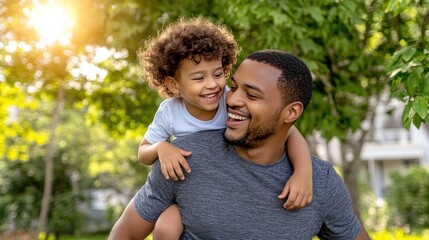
408,196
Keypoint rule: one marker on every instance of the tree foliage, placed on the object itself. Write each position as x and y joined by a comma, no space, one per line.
409,66
86,158
361,54
410,83
347,45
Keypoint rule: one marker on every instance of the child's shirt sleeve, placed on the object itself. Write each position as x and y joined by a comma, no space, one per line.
161,127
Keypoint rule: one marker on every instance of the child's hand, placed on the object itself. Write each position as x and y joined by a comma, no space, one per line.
172,159
298,190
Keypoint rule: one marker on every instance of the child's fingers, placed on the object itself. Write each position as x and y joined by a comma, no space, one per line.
290,201
185,165
285,191
310,199
178,171
165,171
185,153
299,202
172,173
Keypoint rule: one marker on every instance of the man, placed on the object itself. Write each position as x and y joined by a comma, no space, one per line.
238,173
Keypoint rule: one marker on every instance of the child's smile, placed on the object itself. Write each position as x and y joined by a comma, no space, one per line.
201,87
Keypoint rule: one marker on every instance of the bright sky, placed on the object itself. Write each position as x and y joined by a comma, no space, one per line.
54,23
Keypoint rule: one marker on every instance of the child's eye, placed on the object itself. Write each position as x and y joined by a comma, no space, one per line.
198,78
218,75
233,88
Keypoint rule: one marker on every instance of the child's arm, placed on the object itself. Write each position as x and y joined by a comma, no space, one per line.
170,157
299,187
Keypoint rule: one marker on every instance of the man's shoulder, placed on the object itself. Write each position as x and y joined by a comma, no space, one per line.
325,176
322,167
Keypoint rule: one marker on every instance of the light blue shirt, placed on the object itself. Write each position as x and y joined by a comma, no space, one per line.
172,119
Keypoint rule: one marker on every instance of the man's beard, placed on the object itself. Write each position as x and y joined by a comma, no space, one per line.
255,135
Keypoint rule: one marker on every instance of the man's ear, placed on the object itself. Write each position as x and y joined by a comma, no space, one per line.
292,112
172,85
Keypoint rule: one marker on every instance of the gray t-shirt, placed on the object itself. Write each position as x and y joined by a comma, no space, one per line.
228,197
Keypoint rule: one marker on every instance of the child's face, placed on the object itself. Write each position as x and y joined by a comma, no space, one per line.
201,87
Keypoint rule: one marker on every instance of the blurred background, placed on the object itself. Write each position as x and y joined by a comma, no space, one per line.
74,107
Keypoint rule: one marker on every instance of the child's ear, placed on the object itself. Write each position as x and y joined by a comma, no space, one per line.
292,112
172,85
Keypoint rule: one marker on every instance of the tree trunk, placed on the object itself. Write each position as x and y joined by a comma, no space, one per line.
351,167
49,163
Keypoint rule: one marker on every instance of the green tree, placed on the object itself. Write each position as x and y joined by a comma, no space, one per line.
333,39
51,72
409,66
41,67
86,158
347,45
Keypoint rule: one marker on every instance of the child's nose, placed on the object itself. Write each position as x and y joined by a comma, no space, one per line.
211,83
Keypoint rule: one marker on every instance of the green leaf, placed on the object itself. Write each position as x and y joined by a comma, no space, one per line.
394,72
394,63
424,85
280,18
312,65
427,119
407,53
395,83
351,6
420,106
406,112
316,14
308,45
391,4
412,82
407,122
417,121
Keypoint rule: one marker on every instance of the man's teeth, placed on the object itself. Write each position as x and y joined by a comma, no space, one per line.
236,117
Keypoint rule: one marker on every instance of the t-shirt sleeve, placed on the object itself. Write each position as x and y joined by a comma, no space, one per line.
161,127
155,196
340,222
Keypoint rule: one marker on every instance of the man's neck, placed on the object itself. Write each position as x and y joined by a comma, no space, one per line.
264,154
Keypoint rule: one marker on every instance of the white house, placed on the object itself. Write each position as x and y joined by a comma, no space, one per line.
394,148
391,147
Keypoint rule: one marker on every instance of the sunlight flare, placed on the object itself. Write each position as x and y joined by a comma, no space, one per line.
53,23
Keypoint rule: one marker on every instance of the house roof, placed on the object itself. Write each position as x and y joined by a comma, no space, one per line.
373,151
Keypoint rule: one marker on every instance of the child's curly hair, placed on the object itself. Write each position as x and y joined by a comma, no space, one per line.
186,39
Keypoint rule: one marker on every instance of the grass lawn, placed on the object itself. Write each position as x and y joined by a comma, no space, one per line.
92,237
86,237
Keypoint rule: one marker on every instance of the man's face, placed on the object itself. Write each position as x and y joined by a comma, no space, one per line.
254,104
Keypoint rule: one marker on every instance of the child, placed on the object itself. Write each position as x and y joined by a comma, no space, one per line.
189,63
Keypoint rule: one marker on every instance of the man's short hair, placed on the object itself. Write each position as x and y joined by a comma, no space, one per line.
295,81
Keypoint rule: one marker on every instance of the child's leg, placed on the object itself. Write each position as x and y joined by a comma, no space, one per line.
169,224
